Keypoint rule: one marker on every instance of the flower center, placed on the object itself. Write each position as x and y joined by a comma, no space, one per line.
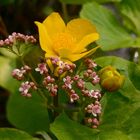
63,41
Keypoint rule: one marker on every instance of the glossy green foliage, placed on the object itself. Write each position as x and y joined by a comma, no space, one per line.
14,134
112,34
30,115
6,80
130,10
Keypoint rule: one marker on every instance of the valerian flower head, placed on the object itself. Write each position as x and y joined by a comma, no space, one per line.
20,73
73,97
14,37
110,78
42,68
94,109
25,87
67,42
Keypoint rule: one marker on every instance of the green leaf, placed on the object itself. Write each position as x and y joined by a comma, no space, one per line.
30,114
133,125
14,134
66,129
6,79
130,9
112,135
112,33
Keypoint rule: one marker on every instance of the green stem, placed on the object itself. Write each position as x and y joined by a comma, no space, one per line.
80,68
12,51
65,13
55,103
39,90
32,78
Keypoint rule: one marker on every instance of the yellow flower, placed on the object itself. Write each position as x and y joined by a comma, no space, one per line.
67,42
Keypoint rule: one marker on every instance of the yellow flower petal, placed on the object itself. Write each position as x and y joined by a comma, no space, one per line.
54,24
85,42
44,39
64,54
79,28
50,54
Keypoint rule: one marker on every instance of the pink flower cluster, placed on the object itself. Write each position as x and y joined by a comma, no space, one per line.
20,73
50,84
57,75
67,86
61,66
92,94
17,37
94,122
42,69
95,110
91,75
70,83
75,86
25,87
48,81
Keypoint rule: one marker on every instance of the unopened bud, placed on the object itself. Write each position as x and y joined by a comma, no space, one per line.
110,78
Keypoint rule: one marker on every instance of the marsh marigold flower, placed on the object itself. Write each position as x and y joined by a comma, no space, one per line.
66,42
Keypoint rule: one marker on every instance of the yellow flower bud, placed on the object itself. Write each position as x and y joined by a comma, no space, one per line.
110,78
